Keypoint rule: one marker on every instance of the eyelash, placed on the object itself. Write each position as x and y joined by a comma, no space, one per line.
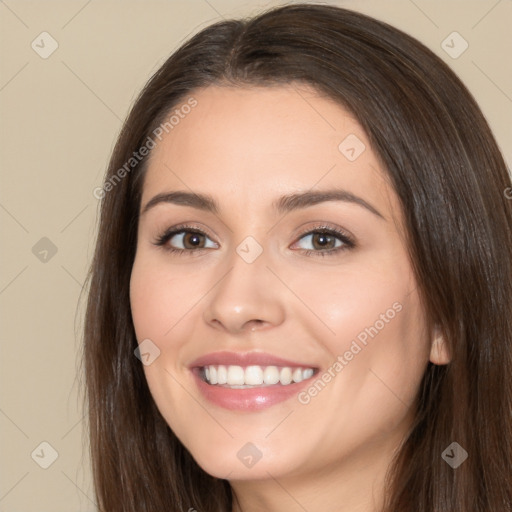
326,230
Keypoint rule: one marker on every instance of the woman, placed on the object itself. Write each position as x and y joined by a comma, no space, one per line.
301,292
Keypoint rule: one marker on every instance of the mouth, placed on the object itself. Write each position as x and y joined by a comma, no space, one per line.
253,387
253,376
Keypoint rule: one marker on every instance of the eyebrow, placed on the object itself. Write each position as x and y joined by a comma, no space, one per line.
282,205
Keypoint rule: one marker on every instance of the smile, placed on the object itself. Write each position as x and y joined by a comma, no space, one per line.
239,377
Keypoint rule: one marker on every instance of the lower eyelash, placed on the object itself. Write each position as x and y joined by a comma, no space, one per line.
329,252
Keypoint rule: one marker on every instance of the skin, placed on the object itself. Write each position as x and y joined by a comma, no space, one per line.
246,147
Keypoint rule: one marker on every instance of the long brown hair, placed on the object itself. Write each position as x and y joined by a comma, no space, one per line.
450,178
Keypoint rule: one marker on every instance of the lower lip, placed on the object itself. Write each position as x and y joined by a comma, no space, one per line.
248,399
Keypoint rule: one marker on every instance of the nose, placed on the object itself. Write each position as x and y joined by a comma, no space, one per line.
247,298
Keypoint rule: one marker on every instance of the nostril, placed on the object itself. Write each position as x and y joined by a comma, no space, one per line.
253,322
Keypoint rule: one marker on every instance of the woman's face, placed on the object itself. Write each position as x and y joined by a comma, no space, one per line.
295,255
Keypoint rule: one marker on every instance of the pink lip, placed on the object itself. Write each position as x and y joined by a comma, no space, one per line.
249,399
246,359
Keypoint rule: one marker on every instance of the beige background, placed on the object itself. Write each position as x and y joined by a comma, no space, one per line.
59,120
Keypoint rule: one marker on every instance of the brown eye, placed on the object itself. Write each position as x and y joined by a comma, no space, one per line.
184,240
192,240
323,241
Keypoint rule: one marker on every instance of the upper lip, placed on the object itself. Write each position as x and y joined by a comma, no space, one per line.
245,359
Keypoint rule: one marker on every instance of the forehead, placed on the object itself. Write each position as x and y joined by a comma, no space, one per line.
262,142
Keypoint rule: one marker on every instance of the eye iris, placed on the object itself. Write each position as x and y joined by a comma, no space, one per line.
191,238
323,240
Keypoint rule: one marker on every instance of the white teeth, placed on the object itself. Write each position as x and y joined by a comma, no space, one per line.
285,376
239,377
235,376
222,375
271,375
307,374
253,375
297,375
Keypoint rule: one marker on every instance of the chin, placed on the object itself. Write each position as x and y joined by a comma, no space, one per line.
247,462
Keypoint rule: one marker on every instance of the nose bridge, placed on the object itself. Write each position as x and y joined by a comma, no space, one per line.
246,293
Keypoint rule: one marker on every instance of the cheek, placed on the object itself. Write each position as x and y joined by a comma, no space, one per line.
161,299
371,322
160,302
345,300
